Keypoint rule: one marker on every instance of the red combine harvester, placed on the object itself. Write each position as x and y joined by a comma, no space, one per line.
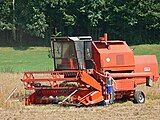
91,72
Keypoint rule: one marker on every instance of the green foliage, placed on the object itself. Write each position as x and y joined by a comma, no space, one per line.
31,18
133,20
37,25
93,9
6,26
5,16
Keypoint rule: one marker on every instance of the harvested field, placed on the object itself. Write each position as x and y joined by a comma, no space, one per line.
15,110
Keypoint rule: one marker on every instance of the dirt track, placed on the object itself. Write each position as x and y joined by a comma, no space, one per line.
118,111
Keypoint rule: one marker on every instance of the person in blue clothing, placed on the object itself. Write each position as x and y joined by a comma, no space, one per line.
109,88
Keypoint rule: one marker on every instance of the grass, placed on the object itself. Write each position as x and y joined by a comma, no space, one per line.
32,59
36,58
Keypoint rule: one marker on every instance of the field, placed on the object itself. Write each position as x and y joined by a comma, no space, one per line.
33,58
15,110
14,62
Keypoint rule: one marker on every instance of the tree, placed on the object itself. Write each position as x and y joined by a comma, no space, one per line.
132,20
5,16
30,18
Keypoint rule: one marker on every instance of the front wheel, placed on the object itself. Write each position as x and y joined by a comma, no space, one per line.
139,97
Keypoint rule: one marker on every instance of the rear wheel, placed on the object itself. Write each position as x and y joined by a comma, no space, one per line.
139,97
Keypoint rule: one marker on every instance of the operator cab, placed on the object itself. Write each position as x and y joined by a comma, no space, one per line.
71,52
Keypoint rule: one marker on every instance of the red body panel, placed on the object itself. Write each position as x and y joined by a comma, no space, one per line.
147,63
113,56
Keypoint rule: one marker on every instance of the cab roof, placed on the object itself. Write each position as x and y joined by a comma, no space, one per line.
78,38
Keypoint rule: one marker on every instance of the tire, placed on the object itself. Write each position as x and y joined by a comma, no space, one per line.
139,97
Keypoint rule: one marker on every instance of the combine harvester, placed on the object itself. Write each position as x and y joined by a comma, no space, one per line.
91,73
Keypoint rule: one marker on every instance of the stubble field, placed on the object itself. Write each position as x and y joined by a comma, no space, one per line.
13,109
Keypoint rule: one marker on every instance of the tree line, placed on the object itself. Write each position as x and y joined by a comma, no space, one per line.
136,21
